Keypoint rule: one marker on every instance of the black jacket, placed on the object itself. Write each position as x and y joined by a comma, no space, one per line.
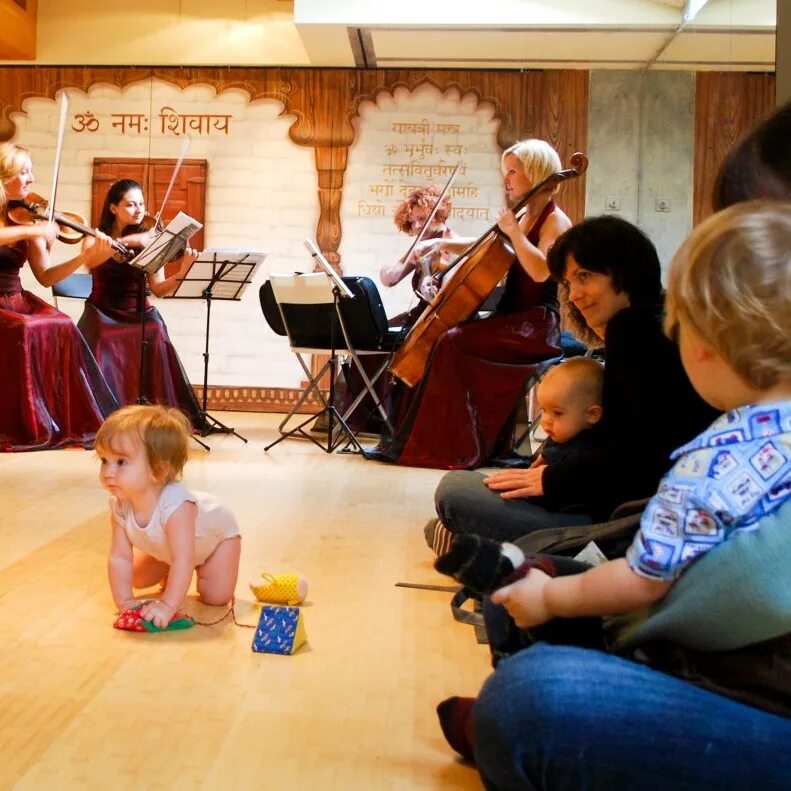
650,408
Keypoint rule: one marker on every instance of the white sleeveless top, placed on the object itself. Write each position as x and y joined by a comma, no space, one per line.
213,524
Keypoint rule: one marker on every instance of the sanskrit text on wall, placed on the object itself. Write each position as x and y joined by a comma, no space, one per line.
169,122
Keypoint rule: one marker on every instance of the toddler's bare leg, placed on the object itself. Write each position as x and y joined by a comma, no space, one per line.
218,574
147,571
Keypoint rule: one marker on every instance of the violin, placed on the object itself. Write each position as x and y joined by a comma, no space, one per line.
428,265
71,225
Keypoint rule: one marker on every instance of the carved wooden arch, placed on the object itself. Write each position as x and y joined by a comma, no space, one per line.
548,104
451,85
21,83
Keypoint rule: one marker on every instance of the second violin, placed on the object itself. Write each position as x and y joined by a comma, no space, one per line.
72,226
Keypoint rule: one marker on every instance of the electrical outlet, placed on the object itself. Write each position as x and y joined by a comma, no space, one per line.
612,203
662,204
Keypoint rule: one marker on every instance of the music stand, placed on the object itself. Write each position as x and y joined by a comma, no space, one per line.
340,291
168,244
217,274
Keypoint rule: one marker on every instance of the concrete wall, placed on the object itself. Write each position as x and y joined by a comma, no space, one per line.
641,152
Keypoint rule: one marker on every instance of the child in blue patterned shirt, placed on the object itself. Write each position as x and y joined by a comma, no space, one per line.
729,306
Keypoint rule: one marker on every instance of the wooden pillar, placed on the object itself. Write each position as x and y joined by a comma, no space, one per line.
330,167
783,53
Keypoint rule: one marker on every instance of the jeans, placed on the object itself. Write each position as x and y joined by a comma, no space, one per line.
465,505
574,719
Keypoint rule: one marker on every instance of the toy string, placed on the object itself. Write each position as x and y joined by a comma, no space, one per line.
230,611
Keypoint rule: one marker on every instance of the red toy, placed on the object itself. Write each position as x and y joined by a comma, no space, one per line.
132,621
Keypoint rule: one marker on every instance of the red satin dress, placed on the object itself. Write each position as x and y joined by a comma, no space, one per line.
111,325
53,393
462,412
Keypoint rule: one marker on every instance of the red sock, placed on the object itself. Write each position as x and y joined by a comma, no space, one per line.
455,718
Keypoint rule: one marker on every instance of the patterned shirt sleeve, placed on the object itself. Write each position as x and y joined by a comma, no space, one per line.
676,527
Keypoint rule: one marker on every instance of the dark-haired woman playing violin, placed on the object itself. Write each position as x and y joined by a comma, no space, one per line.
461,413
53,394
111,321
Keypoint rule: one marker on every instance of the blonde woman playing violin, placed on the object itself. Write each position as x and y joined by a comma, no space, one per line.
53,394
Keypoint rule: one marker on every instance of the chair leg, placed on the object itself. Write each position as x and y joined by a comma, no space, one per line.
369,389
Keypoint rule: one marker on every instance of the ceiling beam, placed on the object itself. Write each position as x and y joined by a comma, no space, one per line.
18,29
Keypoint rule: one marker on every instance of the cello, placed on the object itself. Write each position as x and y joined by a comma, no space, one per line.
466,283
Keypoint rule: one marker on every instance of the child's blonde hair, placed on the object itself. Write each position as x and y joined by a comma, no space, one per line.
731,281
586,376
538,158
163,431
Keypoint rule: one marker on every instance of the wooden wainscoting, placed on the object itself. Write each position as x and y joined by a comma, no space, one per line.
255,399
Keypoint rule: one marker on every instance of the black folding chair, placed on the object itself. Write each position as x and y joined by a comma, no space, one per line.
316,319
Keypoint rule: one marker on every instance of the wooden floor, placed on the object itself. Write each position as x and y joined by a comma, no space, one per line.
87,706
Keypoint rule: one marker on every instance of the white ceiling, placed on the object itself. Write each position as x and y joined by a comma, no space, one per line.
428,34
523,34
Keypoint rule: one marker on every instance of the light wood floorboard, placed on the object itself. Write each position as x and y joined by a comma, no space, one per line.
87,706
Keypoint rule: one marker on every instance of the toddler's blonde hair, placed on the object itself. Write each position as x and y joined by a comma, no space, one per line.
731,281
538,158
163,431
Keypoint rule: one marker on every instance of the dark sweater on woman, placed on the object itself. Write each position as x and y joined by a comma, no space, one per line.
650,409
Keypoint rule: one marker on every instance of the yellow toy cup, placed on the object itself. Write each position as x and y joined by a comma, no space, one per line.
287,589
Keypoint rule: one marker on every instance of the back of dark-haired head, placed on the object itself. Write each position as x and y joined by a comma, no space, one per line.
759,166
114,195
614,247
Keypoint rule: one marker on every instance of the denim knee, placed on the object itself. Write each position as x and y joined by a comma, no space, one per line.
453,495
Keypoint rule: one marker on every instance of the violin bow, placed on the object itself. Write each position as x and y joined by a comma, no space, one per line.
64,109
185,144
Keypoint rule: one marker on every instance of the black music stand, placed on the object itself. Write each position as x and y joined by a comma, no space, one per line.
168,244
217,274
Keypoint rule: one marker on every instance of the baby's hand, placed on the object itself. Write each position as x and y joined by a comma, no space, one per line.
158,612
524,599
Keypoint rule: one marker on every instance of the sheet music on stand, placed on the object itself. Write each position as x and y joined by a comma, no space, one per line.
169,243
226,273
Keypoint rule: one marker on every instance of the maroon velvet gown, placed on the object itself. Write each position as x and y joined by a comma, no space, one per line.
462,412
53,393
111,325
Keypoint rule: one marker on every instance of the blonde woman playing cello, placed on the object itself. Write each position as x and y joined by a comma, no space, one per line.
460,413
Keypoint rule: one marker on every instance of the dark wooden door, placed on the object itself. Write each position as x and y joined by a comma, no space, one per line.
188,193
